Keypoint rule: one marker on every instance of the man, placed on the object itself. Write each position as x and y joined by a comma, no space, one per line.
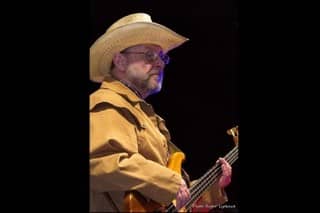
129,143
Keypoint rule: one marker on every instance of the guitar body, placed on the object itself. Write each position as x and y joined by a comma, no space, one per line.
136,202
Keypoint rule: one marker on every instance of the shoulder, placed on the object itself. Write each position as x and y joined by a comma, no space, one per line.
107,97
108,101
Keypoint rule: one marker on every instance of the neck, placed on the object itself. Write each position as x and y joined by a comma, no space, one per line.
132,88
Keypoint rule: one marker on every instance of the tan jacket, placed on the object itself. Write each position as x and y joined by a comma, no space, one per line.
129,150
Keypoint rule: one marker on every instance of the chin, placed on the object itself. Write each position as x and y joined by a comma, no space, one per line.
155,85
156,88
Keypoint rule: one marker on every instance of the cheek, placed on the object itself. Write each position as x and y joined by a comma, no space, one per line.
141,68
145,67
133,68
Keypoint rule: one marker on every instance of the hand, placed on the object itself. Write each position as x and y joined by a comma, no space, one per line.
182,195
225,178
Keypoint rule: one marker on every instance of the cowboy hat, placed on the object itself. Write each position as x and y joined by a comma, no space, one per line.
130,30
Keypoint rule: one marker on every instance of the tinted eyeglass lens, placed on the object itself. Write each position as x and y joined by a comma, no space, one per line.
152,56
165,58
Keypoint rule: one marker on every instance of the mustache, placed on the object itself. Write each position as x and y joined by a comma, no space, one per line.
157,70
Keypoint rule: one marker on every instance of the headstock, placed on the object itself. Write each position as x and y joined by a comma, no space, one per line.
235,134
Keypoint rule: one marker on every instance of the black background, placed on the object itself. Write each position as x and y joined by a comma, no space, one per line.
45,89
200,95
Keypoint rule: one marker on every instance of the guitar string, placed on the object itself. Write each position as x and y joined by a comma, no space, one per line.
200,187
187,206
203,185
206,180
200,182
198,193
213,168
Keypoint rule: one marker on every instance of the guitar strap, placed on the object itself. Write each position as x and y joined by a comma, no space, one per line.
113,205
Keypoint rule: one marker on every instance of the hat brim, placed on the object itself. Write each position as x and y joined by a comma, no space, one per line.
103,50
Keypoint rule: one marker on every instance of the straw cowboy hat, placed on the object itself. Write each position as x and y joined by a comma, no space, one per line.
130,30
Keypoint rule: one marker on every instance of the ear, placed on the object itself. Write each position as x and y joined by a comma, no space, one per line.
120,61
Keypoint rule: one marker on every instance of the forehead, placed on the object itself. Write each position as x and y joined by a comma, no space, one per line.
145,47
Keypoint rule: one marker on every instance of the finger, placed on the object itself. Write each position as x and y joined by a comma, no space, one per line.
185,190
225,165
223,161
184,197
226,171
224,181
178,202
224,168
181,199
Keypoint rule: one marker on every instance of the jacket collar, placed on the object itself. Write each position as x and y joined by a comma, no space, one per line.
121,89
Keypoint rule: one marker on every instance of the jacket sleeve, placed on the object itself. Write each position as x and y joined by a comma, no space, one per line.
116,165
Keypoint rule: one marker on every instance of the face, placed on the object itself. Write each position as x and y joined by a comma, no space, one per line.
145,67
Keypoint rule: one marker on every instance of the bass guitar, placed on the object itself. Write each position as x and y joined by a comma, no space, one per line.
135,202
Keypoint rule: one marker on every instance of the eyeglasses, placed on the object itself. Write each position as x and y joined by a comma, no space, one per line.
151,56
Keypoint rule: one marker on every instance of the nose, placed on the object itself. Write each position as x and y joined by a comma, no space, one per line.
158,62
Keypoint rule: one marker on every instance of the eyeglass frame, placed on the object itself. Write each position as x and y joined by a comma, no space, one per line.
152,56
